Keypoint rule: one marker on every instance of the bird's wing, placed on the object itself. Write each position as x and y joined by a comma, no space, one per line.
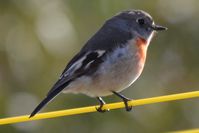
81,64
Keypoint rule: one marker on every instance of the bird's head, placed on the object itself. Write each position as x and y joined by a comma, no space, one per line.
137,22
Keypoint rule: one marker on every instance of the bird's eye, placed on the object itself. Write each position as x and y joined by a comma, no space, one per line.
141,21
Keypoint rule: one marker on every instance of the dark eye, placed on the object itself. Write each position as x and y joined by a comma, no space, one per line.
141,21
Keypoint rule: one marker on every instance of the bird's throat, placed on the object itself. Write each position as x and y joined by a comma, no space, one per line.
141,41
141,45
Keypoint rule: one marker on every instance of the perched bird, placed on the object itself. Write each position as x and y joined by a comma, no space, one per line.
110,61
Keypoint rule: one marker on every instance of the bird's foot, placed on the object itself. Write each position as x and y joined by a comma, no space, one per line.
102,103
125,100
127,107
99,109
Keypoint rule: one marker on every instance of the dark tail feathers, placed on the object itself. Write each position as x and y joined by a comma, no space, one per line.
49,97
46,100
41,105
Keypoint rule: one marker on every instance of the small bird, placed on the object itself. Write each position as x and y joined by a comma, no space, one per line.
110,61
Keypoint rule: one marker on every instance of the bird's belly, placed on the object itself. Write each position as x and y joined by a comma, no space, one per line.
118,72
118,77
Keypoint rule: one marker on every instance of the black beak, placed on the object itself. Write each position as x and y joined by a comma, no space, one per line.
158,27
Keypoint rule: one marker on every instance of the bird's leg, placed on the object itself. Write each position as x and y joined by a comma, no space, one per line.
125,100
102,102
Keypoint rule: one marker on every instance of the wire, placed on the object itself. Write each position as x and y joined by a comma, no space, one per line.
187,131
89,109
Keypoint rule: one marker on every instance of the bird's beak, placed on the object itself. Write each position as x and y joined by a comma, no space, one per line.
158,27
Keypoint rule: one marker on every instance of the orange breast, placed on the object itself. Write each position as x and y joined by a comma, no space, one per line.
141,45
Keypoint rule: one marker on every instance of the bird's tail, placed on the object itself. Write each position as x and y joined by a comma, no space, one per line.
48,98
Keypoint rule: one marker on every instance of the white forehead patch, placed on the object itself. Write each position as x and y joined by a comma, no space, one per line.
131,12
148,15
143,12
138,13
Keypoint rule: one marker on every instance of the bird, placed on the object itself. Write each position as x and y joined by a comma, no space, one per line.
110,61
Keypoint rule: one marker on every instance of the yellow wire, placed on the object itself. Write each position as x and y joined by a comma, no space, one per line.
187,131
82,110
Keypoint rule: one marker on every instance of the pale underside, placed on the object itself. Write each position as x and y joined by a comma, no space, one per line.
118,72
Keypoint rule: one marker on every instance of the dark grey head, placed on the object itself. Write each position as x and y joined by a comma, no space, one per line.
138,22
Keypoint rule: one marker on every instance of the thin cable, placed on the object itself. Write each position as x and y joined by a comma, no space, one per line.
89,109
187,131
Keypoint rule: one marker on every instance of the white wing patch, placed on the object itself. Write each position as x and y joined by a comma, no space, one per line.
75,66
78,64
100,52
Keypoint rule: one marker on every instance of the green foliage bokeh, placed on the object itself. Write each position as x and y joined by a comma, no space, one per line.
38,38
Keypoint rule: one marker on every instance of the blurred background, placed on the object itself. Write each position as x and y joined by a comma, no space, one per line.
39,37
